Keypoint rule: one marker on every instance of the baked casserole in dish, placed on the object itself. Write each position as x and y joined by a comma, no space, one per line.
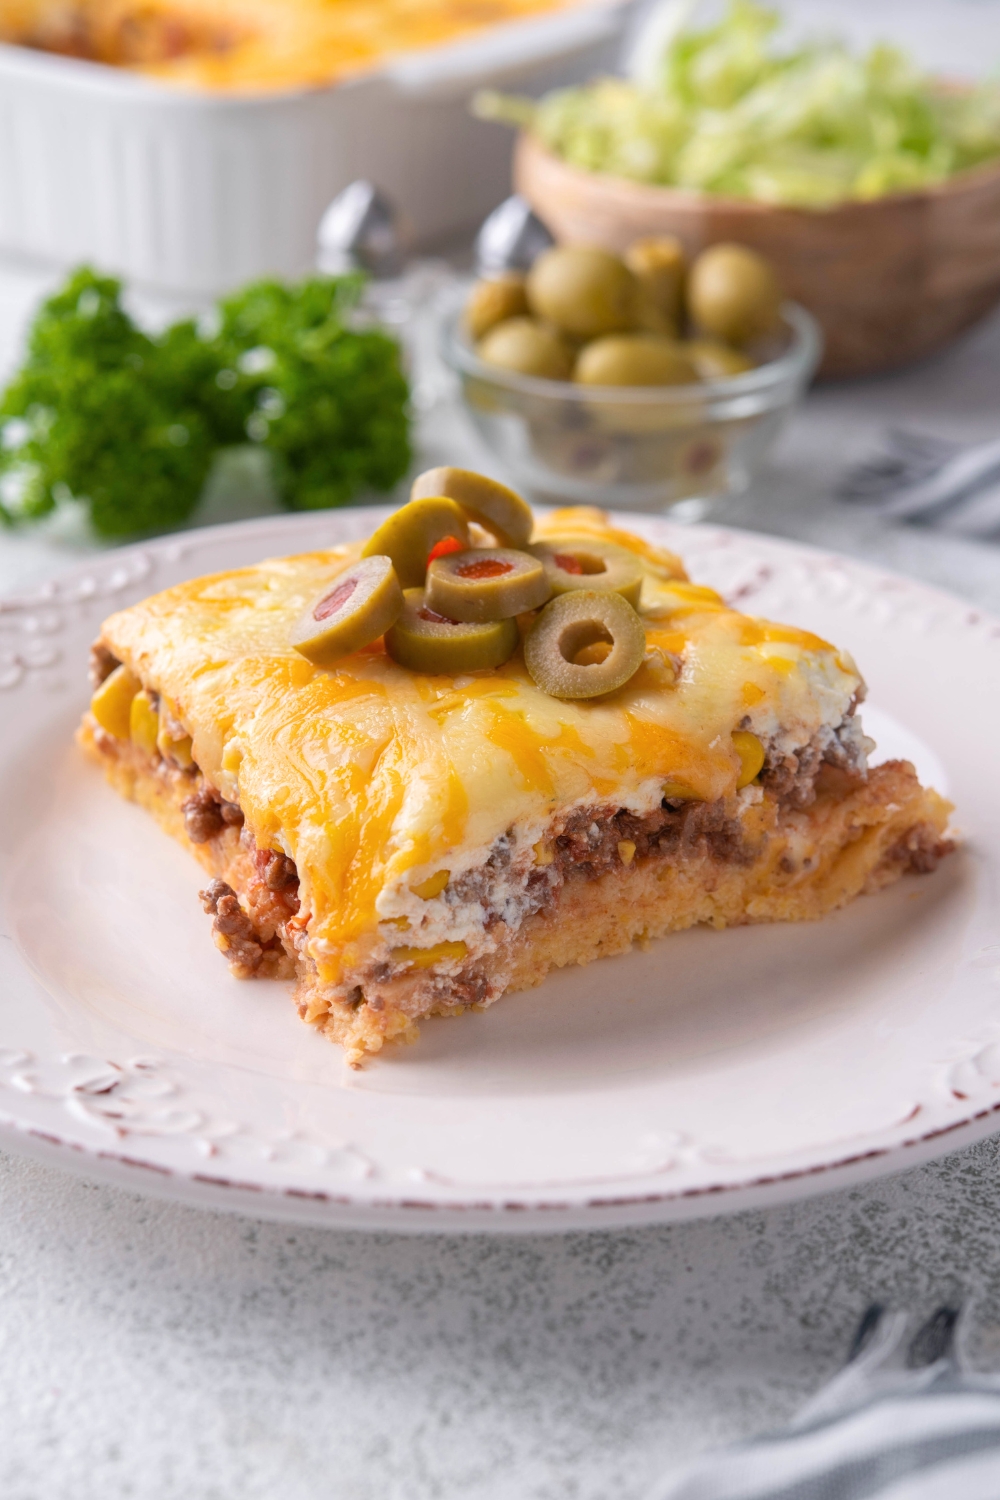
251,45
196,146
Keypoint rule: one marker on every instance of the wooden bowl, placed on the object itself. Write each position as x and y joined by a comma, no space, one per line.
889,280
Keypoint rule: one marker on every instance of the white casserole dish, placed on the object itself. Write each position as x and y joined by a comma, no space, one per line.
198,192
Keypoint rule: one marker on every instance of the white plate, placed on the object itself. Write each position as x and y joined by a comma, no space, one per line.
715,1071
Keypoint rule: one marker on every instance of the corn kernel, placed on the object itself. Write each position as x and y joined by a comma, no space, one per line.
544,852
432,886
626,851
403,923
751,753
426,958
678,790
752,694
143,724
232,757
171,741
112,703
181,751
593,655
662,668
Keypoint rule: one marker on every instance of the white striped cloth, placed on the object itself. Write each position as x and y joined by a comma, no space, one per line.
900,1422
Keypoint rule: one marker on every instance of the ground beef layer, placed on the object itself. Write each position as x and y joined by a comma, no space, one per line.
610,879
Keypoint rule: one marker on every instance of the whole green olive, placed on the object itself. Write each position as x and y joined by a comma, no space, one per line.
733,294
493,300
716,361
527,348
657,263
634,359
583,291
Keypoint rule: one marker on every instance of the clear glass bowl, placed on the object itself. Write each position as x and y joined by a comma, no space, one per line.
636,447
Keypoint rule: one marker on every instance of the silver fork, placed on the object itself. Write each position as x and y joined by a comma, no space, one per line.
949,485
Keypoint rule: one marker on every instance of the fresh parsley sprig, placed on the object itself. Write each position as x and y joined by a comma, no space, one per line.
129,423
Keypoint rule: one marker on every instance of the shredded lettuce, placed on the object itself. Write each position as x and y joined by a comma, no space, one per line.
730,109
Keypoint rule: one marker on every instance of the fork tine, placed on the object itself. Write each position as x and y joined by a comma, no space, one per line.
934,1339
865,1331
977,516
873,478
905,441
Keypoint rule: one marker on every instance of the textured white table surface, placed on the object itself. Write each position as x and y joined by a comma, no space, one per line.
163,1353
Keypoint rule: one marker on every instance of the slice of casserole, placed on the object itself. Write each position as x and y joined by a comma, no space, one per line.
409,844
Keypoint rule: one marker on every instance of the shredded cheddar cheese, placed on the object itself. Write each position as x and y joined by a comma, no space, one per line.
373,777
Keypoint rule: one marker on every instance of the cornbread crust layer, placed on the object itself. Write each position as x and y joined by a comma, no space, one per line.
767,860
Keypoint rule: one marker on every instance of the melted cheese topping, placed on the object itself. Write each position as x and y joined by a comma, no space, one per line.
251,45
372,778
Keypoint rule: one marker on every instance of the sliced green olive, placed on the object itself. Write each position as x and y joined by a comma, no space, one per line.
356,609
411,533
426,641
558,651
495,507
486,584
575,562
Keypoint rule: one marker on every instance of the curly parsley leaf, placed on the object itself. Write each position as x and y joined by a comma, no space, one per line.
328,401
129,424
